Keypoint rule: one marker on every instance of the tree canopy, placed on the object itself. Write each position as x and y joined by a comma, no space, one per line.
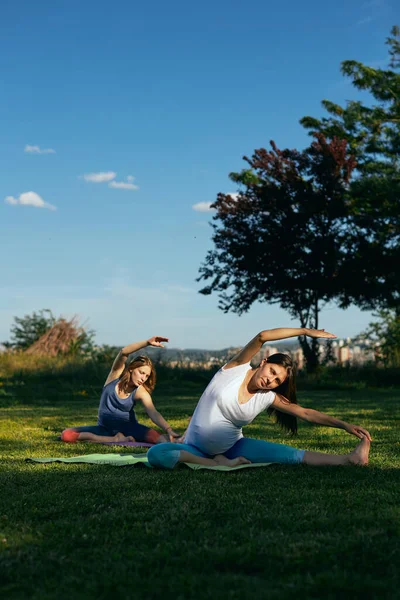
373,135
319,225
284,238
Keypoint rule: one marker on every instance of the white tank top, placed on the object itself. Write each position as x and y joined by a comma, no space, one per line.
217,422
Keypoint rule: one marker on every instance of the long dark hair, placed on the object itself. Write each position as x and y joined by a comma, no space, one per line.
287,389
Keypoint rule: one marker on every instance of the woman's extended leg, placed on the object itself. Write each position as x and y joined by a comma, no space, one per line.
260,451
93,433
165,456
138,432
359,456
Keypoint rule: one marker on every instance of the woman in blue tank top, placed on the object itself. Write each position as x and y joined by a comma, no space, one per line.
125,385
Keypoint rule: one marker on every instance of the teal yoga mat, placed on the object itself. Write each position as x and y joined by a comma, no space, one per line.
124,460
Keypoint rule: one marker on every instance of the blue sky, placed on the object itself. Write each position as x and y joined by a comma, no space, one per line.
160,101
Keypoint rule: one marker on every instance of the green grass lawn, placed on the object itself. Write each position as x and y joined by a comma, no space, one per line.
86,531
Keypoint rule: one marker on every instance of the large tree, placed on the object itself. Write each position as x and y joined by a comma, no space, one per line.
284,238
373,134
323,224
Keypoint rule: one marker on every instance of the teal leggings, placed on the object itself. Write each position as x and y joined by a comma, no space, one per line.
165,456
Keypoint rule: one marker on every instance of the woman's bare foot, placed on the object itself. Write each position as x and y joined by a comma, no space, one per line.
359,456
222,461
120,437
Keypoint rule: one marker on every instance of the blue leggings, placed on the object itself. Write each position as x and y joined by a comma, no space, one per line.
141,433
165,456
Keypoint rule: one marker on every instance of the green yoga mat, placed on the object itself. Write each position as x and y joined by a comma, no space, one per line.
123,460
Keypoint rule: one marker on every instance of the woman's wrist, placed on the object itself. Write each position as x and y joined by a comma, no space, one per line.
169,428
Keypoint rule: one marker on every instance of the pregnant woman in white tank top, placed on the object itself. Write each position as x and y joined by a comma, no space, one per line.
236,395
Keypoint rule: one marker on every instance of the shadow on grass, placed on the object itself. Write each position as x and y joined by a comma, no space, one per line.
100,530
278,524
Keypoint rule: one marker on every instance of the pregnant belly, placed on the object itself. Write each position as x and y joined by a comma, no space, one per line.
214,439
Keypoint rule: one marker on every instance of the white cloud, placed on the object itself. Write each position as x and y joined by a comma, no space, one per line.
124,185
29,199
38,150
203,207
206,206
109,176
101,177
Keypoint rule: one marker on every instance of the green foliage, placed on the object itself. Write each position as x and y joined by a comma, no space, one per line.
373,135
319,225
373,132
337,377
94,531
105,354
83,344
386,334
284,238
28,329
246,177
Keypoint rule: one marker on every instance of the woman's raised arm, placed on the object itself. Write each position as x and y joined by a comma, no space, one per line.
270,335
120,360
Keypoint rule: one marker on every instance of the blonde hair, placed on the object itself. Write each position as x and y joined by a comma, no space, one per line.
138,361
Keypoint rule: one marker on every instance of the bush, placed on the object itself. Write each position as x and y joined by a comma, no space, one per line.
338,377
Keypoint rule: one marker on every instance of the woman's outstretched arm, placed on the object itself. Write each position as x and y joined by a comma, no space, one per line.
319,418
120,360
155,416
270,335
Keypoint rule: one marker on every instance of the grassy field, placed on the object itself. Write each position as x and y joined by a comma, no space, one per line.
85,531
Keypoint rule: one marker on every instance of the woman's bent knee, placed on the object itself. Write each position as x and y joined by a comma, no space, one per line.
163,456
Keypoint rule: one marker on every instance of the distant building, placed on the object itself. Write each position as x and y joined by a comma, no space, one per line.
344,355
298,357
265,352
357,351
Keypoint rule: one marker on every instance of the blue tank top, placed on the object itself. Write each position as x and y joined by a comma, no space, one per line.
114,407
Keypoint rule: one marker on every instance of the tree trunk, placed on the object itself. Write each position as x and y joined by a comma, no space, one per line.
310,348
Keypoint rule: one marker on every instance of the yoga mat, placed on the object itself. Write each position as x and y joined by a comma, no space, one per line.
123,460
133,444
118,460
